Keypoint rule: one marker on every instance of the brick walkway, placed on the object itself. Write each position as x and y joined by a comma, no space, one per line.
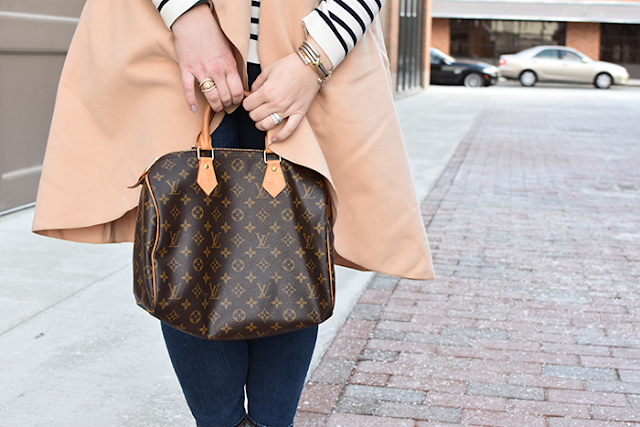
534,319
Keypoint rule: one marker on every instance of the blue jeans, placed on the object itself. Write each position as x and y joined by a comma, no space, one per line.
214,374
237,130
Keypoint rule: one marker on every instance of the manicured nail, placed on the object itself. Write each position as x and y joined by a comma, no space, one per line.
274,139
194,108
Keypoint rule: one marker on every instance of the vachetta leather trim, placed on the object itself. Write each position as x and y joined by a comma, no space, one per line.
155,245
329,252
207,175
274,181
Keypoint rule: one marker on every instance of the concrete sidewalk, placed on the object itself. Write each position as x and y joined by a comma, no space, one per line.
534,318
76,351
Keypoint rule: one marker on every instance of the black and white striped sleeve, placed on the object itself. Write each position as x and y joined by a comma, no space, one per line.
170,10
337,25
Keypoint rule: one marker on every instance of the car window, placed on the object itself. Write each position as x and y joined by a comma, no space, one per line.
440,56
435,59
526,52
548,53
570,56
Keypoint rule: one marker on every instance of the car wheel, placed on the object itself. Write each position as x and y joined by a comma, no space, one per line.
603,81
473,80
528,78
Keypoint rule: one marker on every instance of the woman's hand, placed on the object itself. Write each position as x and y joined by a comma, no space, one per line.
286,87
205,52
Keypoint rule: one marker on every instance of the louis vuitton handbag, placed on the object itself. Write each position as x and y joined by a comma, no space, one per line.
233,243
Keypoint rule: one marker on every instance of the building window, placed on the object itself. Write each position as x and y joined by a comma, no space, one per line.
620,43
488,39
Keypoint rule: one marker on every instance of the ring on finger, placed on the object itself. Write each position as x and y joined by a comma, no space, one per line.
207,85
276,119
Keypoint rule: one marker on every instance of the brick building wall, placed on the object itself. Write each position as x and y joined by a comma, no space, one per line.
585,37
428,42
441,34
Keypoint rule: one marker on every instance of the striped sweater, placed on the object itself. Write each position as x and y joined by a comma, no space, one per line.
336,25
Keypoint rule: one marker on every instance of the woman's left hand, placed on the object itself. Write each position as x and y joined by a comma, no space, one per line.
286,87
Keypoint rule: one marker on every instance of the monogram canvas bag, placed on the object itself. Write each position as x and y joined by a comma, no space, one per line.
233,243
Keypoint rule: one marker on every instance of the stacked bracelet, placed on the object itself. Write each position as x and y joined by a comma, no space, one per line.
310,56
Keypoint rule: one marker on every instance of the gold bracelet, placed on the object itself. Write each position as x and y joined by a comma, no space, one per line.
310,56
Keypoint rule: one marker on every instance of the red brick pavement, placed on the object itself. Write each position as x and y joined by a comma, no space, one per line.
534,319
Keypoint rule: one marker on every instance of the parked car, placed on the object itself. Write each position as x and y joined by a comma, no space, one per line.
446,70
561,65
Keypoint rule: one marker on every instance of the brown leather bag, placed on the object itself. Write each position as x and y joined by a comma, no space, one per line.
233,243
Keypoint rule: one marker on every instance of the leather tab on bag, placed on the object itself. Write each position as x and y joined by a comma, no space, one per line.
207,175
273,181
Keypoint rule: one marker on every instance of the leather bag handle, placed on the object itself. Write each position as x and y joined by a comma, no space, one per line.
204,139
273,181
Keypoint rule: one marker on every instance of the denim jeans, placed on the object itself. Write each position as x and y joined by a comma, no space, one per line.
237,130
215,374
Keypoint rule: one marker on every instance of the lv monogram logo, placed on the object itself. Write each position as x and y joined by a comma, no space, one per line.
309,239
214,291
313,291
175,291
174,187
308,191
216,240
263,291
262,239
174,239
262,194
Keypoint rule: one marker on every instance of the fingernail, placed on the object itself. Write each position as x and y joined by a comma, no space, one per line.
274,139
194,108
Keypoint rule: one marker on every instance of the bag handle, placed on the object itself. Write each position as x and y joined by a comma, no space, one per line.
273,181
204,138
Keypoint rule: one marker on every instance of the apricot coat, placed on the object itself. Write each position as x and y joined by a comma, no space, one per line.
120,104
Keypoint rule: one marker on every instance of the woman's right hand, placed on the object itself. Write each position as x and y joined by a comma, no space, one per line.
205,52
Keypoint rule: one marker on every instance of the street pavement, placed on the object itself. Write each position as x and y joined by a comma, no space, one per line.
534,317
530,198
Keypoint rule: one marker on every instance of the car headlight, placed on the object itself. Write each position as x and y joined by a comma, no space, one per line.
490,70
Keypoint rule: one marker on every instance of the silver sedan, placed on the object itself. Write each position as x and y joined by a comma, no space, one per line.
561,65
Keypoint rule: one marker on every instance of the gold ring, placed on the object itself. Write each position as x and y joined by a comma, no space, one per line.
207,85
